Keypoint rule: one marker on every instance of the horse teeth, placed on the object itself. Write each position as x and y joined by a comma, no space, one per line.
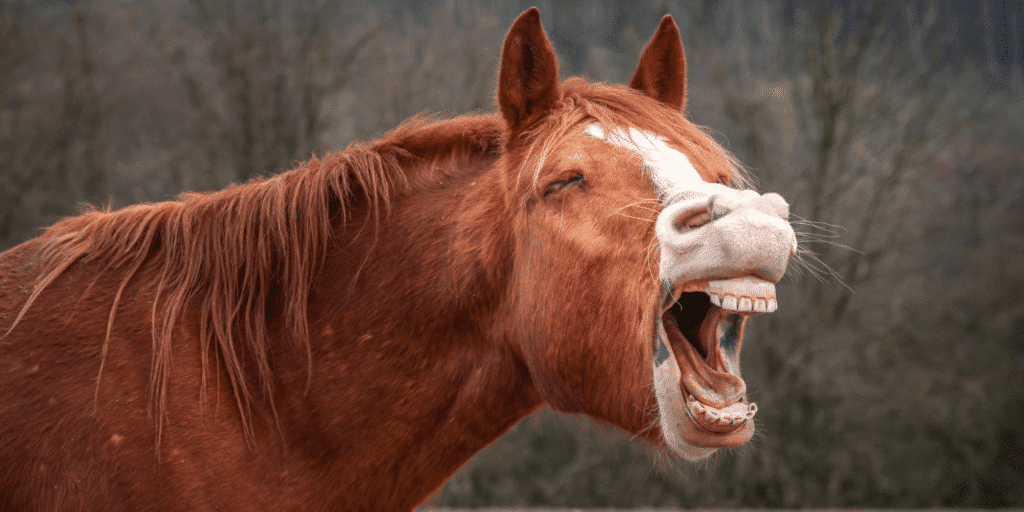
760,305
748,286
772,305
729,302
746,304
716,300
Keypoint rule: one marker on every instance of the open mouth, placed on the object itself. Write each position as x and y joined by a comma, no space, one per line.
703,325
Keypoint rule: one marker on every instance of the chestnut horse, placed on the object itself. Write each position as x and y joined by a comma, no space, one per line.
345,335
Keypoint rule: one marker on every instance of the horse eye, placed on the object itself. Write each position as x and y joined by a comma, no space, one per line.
559,185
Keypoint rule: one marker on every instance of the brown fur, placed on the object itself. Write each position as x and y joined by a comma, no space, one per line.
345,335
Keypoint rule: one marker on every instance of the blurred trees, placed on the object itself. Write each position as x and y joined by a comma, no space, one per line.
15,50
444,62
261,74
888,376
106,101
53,150
882,115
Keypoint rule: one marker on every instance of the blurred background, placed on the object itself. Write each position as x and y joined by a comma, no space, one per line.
888,378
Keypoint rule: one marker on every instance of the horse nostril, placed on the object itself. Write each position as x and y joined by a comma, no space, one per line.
677,219
692,219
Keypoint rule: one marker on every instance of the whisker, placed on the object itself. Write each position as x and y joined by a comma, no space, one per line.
824,226
639,204
652,210
632,217
810,261
810,237
823,233
648,260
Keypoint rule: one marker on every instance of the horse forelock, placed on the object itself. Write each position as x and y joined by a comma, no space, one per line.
222,254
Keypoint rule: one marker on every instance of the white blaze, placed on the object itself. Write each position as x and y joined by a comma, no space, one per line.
669,168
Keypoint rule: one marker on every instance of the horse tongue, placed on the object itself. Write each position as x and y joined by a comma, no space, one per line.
710,386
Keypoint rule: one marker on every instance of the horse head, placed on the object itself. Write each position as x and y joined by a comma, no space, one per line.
638,255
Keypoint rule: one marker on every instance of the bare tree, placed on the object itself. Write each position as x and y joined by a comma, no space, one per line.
445,64
15,51
83,170
53,118
262,75
872,101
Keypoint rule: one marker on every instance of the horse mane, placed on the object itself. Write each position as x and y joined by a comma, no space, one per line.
222,254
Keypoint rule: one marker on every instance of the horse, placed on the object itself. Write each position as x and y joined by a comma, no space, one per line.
345,335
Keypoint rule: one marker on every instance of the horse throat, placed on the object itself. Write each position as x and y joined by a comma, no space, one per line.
404,362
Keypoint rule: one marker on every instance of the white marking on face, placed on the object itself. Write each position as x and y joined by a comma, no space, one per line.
670,169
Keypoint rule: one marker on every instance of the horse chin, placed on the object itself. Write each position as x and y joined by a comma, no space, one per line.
702,404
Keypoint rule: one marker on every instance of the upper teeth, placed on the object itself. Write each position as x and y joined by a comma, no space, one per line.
746,294
744,304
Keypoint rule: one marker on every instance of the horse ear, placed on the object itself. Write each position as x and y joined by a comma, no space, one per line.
661,73
528,80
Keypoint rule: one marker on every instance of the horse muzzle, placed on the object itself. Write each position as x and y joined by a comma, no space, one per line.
722,251
727,234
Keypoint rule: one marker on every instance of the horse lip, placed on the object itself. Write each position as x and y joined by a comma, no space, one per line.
698,436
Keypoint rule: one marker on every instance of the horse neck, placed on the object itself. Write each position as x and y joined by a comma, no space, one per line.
406,355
